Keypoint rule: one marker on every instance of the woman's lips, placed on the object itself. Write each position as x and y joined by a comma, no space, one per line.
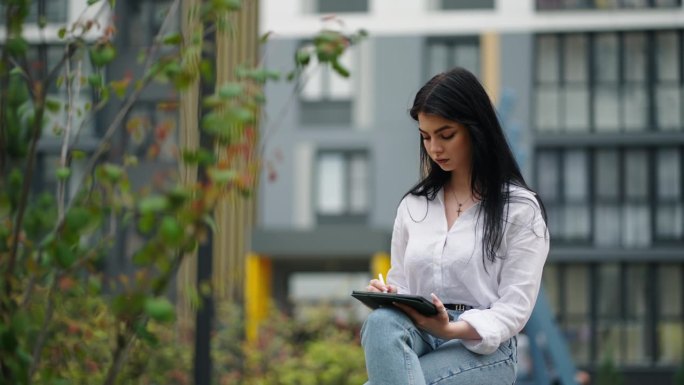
441,161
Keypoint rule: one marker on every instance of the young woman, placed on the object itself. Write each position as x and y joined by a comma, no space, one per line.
472,236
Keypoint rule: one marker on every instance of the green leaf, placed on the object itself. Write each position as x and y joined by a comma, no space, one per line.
53,105
17,46
62,32
145,255
302,57
221,176
63,173
240,115
112,172
177,196
173,39
5,205
230,90
95,80
153,204
171,231
64,255
91,2
102,54
8,340
78,154
209,220
145,335
160,309
341,70
126,306
264,38
212,101
146,223
77,219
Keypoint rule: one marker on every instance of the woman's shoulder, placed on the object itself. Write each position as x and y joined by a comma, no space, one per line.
520,194
414,206
523,203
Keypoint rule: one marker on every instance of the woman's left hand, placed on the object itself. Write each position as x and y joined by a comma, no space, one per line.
437,325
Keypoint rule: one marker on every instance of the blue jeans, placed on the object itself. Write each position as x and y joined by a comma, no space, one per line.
398,353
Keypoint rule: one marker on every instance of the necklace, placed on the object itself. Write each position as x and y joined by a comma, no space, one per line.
460,205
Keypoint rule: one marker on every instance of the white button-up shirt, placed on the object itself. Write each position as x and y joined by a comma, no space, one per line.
429,258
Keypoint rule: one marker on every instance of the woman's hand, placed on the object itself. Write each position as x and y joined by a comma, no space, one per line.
438,325
377,286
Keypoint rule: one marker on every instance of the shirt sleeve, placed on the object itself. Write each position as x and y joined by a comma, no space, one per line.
527,248
396,275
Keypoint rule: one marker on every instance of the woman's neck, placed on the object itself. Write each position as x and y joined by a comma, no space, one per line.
460,184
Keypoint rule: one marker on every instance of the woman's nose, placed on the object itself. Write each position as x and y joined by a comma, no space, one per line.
435,147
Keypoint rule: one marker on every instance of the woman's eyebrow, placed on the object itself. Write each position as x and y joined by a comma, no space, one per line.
437,131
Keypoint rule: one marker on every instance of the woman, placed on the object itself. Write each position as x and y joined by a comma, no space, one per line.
472,236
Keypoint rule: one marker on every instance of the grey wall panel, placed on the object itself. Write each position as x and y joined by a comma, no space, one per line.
398,76
517,66
277,126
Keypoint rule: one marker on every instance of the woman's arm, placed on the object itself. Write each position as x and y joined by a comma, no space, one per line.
396,277
519,280
439,325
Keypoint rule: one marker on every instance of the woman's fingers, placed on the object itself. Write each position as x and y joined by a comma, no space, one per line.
376,285
411,312
438,303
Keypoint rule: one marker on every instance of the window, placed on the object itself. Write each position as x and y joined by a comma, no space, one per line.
41,59
564,185
336,6
446,53
608,197
56,11
46,170
670,327
342,180
607,311
466,4
606,82
326,99
547,5
611,174
151,131
146,19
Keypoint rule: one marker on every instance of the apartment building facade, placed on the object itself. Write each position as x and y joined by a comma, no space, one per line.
590,94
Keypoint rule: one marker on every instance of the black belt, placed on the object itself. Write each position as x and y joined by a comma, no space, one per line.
457,306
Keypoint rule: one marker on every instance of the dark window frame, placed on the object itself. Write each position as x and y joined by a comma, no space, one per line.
337,113
451,43
347,216
593,5
651,82
650,320
59,14
333,6
472,5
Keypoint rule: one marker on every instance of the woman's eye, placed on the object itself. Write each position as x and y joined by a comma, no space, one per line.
448,137
424,138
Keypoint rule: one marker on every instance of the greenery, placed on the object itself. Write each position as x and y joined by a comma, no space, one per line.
62,321
319,350
607,373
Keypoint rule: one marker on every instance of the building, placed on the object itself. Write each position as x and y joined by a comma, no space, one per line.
591,96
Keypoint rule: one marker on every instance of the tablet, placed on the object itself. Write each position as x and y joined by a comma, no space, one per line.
374,300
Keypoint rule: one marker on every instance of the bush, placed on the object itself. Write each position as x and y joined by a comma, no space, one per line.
317,351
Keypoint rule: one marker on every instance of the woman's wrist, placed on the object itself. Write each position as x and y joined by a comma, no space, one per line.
461,330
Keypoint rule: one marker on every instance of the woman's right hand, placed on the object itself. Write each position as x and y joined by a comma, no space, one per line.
377,286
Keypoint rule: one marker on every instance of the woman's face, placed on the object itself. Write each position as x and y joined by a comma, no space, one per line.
447,142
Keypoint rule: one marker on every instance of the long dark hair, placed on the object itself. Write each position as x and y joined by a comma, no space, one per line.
458,96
